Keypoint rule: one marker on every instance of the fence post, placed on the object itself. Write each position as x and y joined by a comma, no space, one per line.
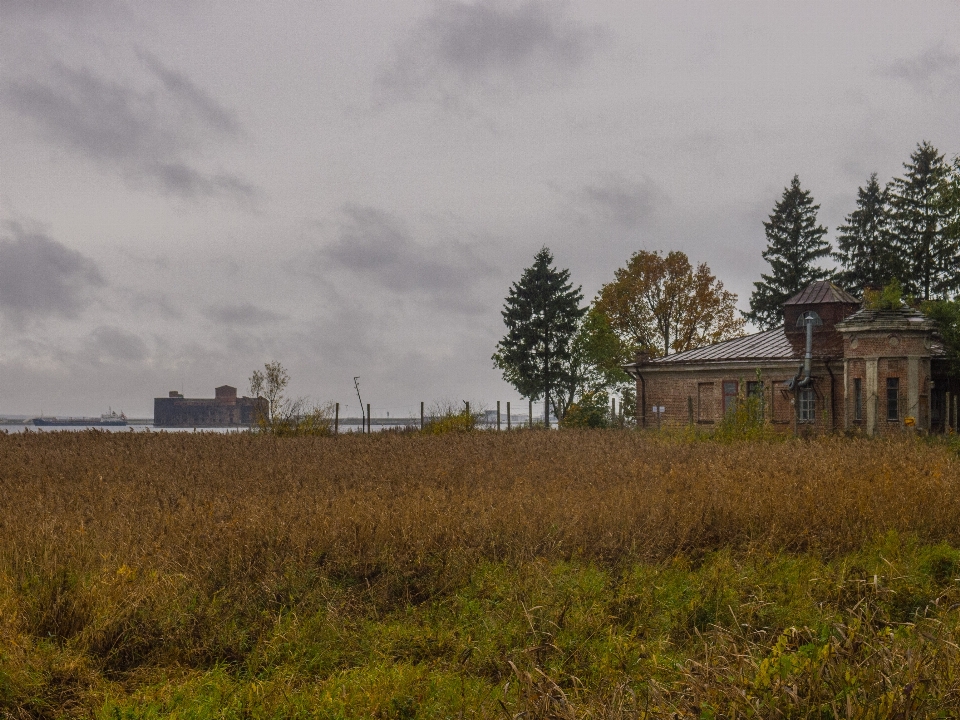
369,424
498,415
530,414
690,409
336,419
508,415
613,411
467,403
956,420
421,414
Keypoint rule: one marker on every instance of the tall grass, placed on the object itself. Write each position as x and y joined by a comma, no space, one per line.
129,558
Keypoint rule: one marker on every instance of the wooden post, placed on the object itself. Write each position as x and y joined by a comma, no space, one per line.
690,410
508,415
336,419
946,412
613,410
421,414
498,415
369,428
530,414
956,420
467,403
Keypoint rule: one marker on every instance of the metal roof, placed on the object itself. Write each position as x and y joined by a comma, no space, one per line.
822,291
768,345
900,319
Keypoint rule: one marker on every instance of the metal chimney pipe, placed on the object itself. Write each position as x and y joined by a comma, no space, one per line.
809,319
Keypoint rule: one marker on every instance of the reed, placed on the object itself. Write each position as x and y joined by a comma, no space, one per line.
132,563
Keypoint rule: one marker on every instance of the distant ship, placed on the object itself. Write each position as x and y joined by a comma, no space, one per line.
108,419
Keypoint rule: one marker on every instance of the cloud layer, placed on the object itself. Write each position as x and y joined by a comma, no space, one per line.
489,44
40,276
151,129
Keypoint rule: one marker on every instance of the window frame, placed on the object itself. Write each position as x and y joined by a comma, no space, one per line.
733,397
806,405
893,401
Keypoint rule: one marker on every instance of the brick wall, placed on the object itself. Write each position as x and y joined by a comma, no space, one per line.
704,394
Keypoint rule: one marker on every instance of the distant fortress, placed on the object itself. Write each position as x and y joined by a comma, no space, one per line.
223,410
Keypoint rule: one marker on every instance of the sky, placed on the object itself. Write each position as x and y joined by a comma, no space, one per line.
190,190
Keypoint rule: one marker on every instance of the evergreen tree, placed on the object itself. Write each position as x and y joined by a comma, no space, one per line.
542,313
865,247
920,225
794,243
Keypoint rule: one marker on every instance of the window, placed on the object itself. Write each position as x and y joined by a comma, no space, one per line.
893,398
705,402
755,399
858,400
807,408
729,396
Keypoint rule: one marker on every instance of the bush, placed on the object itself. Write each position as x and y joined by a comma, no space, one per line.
592,410
447,417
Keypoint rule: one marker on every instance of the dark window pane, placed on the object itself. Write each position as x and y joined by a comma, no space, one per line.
893,398
857,399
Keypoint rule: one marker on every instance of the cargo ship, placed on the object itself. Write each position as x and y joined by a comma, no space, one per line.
108,419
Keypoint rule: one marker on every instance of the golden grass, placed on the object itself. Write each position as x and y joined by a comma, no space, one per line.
172,550
242,503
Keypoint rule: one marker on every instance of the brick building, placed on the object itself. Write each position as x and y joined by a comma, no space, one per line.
871,369
225,409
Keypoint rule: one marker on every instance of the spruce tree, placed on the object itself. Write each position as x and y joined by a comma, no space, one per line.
794,243
865,245
920,220
542,313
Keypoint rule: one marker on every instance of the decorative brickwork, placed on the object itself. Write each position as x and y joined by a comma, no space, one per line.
871,370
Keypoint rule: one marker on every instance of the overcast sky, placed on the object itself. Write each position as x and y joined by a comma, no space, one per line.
189,190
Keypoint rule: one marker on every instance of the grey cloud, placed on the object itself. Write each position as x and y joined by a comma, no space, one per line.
244,314
112,344
490,43
926,70
379,248
148,133
40,276
66,7
193,96
626,203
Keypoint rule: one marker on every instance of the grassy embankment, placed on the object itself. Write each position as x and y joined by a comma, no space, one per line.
593,574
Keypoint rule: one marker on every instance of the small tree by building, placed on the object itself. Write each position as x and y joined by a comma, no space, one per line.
794,244
542,312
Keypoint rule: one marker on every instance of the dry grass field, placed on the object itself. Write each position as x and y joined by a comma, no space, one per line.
526,574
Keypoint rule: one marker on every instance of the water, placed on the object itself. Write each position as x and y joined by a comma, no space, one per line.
132,427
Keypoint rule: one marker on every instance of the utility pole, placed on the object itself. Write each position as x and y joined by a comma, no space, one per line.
356,384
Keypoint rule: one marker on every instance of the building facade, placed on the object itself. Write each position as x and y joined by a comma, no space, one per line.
879,371
225,409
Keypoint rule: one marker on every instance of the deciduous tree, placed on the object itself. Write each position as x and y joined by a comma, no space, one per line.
542,313
794,243
660,305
